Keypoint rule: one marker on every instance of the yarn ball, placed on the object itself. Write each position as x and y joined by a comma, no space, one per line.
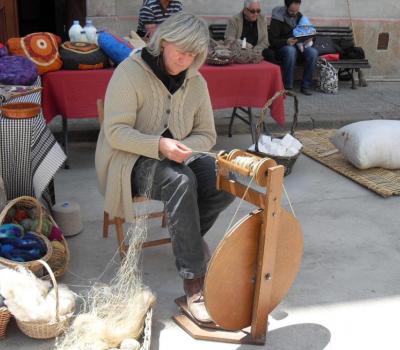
27,224
55,234
11,212
17,70
21,249
35,224
46,227
20,215
3,50
11,229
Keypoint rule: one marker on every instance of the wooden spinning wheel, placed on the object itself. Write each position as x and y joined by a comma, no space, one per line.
255,264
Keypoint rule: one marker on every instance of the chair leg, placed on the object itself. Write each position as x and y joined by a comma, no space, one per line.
123,248
106,224
164,219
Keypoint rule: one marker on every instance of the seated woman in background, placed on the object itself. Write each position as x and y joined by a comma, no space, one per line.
153,13
158,120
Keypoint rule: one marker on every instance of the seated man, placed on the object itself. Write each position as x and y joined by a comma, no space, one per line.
284,19
251,25
153,13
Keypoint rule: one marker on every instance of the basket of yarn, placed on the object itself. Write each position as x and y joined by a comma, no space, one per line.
45,329
21,246
287,160
26,214
5,316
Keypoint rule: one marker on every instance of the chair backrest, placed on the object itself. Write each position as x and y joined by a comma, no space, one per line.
100,111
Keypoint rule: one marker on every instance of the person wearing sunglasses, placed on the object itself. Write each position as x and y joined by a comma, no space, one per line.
283,20
252,25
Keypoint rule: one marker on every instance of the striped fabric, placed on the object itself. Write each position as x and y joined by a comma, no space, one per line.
152,12
29,154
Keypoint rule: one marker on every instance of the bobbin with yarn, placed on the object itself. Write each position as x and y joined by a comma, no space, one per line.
68,217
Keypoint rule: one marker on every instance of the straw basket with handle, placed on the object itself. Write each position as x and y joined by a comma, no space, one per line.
4,319
26,202
45,330
57,256
286,161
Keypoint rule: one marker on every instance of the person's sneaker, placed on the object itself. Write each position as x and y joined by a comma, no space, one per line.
306,91
195,300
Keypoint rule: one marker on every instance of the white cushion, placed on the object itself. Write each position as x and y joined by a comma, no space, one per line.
372,143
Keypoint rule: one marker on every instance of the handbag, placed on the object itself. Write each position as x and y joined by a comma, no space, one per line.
329,81
325,45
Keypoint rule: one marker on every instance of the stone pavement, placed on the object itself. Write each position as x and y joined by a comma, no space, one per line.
347,293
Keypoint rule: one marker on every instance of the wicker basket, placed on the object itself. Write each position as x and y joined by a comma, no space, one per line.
287,161
146,337
26,202
4,319
57,260
44,330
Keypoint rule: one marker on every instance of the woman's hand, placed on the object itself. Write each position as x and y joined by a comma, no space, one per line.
174,150
291,41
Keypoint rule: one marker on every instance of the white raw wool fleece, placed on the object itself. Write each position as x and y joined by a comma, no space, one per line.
371,143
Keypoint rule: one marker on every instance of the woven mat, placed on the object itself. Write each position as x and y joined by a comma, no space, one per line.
316,145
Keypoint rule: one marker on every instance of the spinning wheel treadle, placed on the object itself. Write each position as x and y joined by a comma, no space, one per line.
255,264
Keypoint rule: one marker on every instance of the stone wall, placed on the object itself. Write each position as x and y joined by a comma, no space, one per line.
369,19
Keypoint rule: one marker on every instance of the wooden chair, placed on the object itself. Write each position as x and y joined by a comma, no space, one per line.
118,222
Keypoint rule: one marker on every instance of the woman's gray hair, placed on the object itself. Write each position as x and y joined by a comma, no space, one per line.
247,3
188,32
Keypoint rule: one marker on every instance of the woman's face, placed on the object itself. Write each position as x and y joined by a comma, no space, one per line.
175,60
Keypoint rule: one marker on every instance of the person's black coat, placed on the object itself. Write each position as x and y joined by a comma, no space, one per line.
280,31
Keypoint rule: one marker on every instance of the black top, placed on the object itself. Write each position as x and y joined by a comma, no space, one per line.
171,82
250,31
281,27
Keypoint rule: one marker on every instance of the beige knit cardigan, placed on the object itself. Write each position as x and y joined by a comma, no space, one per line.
138,109
234,30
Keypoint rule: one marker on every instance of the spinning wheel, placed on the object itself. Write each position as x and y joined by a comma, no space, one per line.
255,264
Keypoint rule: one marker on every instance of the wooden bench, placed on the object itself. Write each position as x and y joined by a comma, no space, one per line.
338,34
341,35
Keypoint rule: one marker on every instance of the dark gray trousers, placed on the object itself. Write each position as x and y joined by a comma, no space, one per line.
191,200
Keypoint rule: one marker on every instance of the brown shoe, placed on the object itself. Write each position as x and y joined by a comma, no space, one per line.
195,300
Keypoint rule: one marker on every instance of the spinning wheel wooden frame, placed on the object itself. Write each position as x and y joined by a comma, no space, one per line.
255,264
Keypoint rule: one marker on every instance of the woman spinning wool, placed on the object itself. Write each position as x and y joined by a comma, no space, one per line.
158,117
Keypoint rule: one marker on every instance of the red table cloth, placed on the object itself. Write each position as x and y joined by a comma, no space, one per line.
73,94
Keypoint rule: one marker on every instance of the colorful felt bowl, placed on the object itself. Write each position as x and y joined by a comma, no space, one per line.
20,110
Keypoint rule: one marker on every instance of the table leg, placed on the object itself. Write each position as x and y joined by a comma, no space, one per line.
247,118
353,81
252,129
65,139
52,192
231,121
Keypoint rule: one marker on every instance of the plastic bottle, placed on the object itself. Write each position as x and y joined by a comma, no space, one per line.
75,32
244,44
90,31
